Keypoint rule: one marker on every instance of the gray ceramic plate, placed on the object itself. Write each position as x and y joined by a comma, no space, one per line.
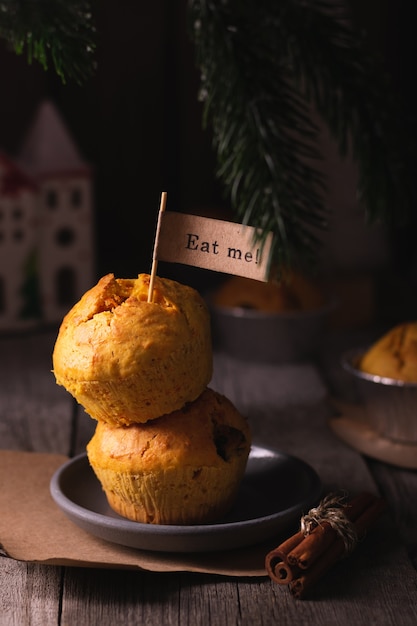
275,491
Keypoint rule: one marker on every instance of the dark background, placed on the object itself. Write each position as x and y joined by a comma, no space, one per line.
138,121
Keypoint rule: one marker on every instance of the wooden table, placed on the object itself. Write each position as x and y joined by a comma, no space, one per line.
287,406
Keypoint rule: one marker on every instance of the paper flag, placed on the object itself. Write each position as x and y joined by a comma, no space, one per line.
213,244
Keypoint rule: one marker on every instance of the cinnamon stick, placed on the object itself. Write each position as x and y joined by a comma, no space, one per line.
301,585
301,561
276,561
314,544
369,517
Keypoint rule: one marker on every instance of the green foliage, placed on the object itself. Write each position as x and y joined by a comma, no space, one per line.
30,289
263,65
52,32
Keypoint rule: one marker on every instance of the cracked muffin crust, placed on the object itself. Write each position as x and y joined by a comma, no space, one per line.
127,360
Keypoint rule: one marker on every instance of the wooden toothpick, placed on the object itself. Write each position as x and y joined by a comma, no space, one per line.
155,247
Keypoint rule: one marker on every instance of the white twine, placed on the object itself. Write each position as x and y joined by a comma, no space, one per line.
330,510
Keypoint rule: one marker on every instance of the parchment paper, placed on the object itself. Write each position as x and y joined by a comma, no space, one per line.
34,529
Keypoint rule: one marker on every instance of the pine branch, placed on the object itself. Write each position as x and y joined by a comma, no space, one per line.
262,66
356,100
54,33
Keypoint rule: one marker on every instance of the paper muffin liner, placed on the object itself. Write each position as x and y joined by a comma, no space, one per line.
174,496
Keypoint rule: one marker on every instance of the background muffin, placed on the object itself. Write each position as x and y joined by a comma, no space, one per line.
394,355
273,322
386,379
294,292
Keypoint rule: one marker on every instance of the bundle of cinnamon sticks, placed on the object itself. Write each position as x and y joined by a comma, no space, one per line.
304,558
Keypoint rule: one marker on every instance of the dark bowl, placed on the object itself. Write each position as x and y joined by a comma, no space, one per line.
254,335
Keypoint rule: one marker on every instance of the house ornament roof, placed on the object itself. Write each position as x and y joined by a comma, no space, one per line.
49,148
13,179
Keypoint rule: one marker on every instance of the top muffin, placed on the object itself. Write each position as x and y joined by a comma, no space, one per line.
127,360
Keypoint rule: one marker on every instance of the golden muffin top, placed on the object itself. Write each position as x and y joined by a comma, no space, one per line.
113,329
207,432
394,355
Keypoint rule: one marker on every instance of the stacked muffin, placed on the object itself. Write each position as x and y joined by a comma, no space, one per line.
167,449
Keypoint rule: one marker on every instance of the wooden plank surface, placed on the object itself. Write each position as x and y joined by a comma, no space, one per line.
287,408
36,414
29,594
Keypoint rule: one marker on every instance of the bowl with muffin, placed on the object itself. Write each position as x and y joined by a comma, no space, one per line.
166,449
279,321
385,375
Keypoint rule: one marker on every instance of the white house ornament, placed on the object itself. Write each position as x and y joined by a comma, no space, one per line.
47,256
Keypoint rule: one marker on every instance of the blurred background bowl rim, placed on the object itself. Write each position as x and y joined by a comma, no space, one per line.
350,357
256,314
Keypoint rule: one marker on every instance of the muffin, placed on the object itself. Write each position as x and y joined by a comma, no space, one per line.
394,355
182,468
386,379
127,360
273,322
294,292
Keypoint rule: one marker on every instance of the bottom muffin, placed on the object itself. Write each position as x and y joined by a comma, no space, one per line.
182,468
